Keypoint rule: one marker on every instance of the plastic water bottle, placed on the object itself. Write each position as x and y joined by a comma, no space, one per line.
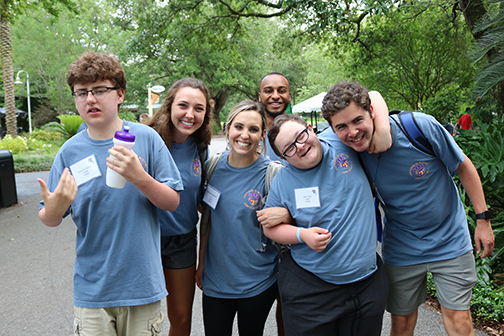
121,138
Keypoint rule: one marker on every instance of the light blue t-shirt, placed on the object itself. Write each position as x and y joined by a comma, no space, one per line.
118,236
234,265
346,210
426,220
184,219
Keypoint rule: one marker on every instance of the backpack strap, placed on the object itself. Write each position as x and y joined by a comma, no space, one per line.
273,169
410,128
209,169
203,154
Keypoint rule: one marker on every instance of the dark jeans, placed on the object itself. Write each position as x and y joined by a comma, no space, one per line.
314,307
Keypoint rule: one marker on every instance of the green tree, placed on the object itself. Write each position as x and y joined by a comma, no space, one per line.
8,10
39,33
490,46
229,55
411,58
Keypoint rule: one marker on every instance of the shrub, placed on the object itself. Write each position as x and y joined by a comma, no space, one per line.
20,144
128,116
487,303
44,114
68,127
47,136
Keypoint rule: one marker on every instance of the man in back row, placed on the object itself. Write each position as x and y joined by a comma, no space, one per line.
426,228
275,95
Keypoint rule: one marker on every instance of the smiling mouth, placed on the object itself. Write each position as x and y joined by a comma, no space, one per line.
309,149
185,123
357,140
242,144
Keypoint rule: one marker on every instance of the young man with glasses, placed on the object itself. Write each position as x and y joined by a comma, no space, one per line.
331,281
118,276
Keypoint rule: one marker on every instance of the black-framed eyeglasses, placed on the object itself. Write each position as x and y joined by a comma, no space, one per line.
300,139
82,95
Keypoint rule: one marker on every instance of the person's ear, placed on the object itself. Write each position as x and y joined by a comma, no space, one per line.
263,137
259,97
372,112
120,93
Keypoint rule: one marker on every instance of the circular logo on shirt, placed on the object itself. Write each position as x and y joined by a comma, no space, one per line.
196,167
342,163
419,170
252,199
143,162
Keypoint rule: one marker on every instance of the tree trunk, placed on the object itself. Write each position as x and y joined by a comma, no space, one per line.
7,72
219,99
474,11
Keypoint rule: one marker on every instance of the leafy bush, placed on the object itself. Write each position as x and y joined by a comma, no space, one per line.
68,126
20,144
129,116
487,303
47,136
485,148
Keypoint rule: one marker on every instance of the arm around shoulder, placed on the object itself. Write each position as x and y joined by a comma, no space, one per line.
382,138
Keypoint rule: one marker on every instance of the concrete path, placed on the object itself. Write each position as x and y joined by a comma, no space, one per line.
37,265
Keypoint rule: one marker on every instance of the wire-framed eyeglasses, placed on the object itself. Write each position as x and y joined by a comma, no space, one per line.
81,95
300,139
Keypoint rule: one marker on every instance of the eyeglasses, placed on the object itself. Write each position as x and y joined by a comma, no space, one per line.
81,95
300,139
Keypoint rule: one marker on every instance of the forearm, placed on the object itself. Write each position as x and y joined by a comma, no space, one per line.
52,220
472,184
382,138
161,195
283,234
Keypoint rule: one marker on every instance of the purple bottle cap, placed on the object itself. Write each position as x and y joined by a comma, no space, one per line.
125,135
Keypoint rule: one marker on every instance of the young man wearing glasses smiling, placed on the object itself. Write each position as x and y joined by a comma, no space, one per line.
118,276
331,281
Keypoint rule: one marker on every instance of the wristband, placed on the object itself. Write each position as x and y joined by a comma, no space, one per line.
298,236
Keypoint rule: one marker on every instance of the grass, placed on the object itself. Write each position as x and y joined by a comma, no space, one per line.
33,161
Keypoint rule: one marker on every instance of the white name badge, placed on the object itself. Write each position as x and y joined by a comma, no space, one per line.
307,197
211,196
85,170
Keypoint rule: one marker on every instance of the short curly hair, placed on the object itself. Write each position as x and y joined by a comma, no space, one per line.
92,67
341,95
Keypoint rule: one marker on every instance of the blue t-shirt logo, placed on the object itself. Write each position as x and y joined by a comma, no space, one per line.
196,167
419,170
252,198
342,163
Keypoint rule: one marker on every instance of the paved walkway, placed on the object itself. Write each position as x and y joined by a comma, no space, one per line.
37,265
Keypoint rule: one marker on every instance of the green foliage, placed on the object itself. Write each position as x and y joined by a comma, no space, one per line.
30,162
490,46
445,106
485,148
47,136
410,56
20,144
215,128
68,127
487,303
128,116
